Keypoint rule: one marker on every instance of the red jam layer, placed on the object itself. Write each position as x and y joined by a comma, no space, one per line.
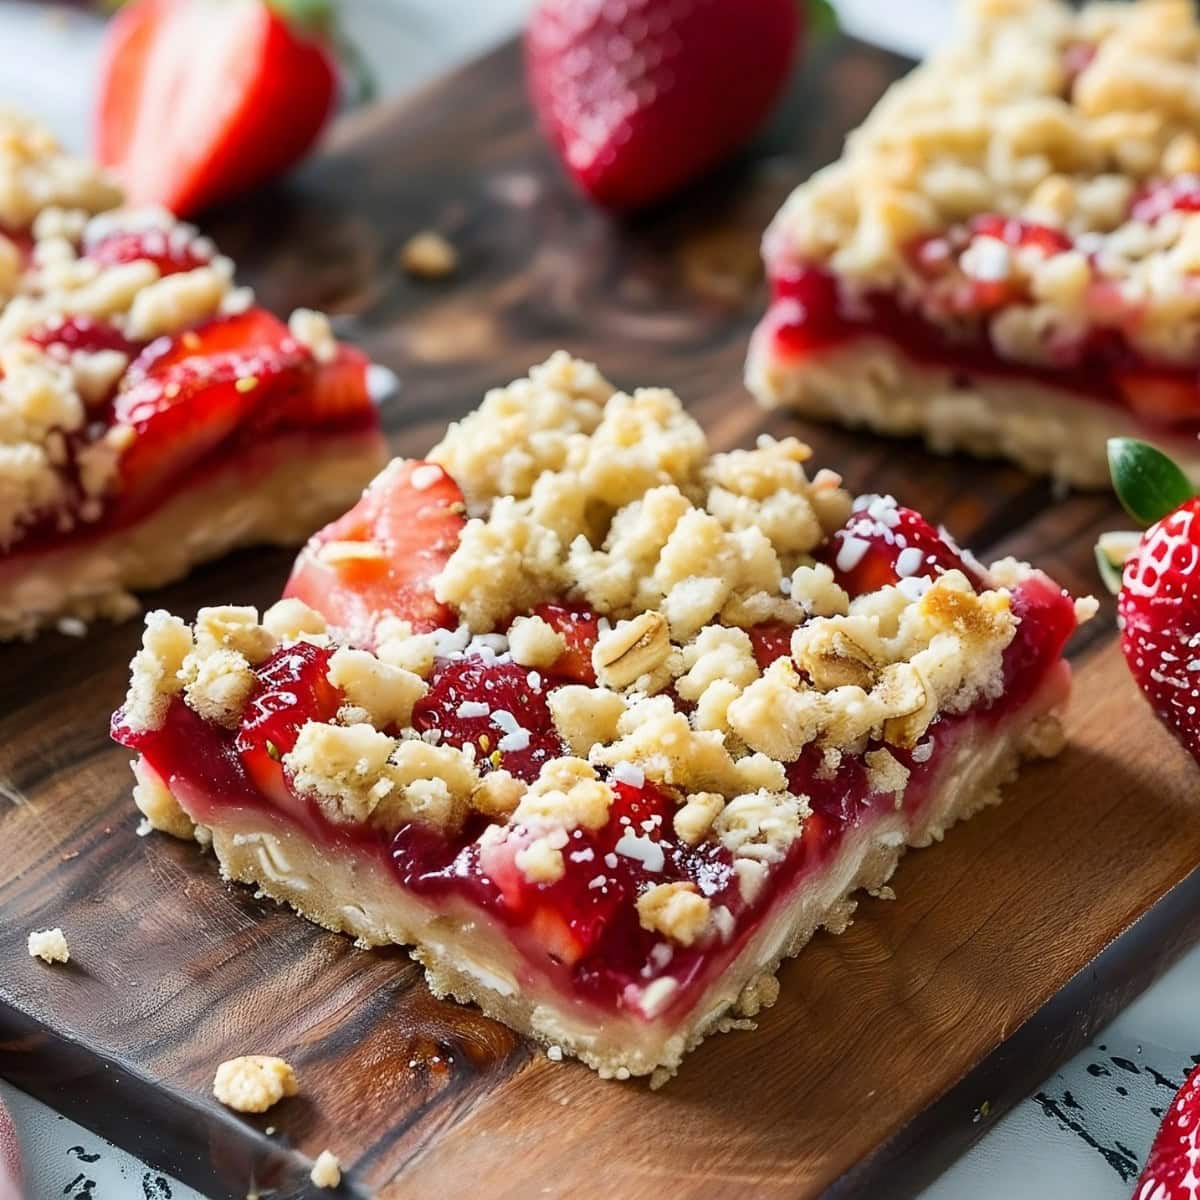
188,400
580,933
809,313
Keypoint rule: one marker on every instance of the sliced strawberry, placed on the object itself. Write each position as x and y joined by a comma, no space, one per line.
292,689
199,101
579,628
185,395
883,543
81,333
380,559
170,250
246,333
1162,397
771,640
490,705
1171,1167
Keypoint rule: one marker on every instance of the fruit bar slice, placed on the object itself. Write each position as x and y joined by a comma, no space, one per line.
607,751
151,417
1004,259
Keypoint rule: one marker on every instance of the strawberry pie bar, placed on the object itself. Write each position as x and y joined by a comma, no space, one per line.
1006,259
602,724
151,417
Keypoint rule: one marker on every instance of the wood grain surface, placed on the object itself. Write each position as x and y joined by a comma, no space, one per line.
1004,951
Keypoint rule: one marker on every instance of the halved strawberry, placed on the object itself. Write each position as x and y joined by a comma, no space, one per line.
170,250
380,559
491,706
1161,397
1013,231
199,101
292,689
883,543
579,628
81,333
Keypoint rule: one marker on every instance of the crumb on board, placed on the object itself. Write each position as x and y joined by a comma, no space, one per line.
50,945
254,1082
429,255
326,1170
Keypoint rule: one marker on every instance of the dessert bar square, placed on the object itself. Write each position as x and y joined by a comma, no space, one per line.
151,416
602,724
1005,258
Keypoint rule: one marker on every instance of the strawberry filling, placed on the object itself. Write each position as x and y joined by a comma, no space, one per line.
810,313
194,402
581,933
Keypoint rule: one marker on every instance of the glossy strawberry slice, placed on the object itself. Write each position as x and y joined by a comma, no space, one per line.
491,706
579,627
170,250
292,690
884,543
380,559
81,333
185,395
1174,1161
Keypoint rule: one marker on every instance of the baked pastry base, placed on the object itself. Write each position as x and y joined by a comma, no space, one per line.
276,495
870,383
470,958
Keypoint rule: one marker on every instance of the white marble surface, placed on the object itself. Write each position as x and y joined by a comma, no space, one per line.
1082,1133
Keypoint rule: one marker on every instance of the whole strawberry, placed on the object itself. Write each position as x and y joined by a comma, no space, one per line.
1159,601
1173,1166
638,96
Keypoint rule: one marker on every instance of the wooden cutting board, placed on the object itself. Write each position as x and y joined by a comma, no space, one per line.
891,1048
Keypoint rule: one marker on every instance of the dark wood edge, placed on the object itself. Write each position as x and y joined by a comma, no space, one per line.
172,1131
920,1151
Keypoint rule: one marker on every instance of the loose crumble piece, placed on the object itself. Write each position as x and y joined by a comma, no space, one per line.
429,255
326,1170
672,710
50,945
254,1082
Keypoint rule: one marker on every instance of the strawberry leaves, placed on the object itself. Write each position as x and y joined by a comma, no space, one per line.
1148,484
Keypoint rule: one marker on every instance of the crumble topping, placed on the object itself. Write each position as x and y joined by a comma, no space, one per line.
383,694
254,1082
533,642
676,910
326,1170
35,174
1067,119
429,255
50,945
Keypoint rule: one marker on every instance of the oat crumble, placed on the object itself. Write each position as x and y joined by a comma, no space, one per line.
50,945
254,1082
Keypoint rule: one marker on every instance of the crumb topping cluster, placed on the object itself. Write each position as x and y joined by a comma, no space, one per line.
683,552
60,448
1081,122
